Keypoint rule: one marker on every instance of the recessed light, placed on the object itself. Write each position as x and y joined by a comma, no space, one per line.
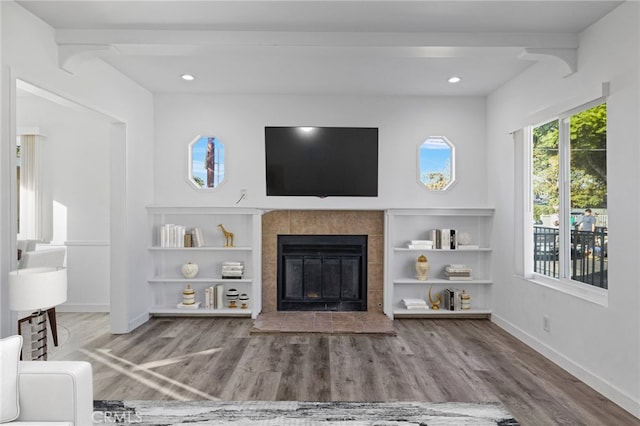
454,79
187,77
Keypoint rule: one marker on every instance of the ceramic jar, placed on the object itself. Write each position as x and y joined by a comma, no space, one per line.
189,270
232,297
465,300
188,296
244,300
422,268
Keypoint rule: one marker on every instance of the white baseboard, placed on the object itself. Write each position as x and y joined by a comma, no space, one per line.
138,321
600,385
82,307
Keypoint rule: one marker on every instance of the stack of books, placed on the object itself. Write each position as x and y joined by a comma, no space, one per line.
172,235
232,270
421,244
415,304
214,297
451,299
457,273
451,239
197,238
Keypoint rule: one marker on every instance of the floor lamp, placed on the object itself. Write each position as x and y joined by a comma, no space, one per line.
36,290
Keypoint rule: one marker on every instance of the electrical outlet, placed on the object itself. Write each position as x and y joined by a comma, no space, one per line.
546,324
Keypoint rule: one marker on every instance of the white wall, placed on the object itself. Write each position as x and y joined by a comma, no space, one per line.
239,121
599,344
29,53
7,231
75,167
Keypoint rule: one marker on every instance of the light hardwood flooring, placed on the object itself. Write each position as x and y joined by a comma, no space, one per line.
428,360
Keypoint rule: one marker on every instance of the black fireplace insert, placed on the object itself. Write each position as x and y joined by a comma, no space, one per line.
322,273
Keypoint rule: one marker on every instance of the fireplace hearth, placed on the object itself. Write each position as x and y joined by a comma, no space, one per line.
322,273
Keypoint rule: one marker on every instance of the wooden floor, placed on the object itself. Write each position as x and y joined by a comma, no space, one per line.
323,322
428,360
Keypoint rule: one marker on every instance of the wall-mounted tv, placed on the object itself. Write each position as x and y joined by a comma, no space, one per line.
322,161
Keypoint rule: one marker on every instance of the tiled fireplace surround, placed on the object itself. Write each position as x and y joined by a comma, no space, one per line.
323,222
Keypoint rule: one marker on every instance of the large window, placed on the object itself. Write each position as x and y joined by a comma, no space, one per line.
569,187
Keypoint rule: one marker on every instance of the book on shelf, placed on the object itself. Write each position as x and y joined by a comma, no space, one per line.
448,299
452,299
232,270
214,297
415,304
421,244
468,247
444,239
197,237
218,297
457,266
456,272
435,237
178,236
172,235
455,278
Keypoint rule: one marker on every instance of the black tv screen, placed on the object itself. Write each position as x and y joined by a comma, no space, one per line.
322,161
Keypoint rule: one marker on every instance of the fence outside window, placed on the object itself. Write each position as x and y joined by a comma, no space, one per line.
589,255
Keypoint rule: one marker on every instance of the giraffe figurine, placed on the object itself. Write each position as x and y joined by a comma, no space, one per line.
228,236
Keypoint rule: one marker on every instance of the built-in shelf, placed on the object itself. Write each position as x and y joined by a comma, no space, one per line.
226,312
159,280
406,225
440,281
205,248
415,250
167,284
441,313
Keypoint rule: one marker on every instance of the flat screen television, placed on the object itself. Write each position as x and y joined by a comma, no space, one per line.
322,161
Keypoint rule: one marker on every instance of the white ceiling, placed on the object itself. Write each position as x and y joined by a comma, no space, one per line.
317,47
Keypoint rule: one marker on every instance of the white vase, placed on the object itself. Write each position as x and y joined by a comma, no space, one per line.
189,270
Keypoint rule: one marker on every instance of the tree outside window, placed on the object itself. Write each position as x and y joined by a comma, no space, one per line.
574,146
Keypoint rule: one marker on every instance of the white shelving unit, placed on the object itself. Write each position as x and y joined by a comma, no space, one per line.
404,225
166,281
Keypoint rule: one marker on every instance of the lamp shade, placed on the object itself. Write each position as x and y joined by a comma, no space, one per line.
37,288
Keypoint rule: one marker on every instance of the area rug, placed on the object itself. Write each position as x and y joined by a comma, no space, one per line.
293,413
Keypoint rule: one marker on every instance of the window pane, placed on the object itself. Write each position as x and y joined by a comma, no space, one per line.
588,189
546,199
435,163
569,185
206,167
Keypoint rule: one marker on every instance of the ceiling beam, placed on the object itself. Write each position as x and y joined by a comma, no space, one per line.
330,39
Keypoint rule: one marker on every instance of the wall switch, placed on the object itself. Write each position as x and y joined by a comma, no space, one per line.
546,323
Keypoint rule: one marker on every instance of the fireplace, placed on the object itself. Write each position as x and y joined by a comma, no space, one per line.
322,273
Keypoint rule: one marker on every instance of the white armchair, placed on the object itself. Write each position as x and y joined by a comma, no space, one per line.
47,393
